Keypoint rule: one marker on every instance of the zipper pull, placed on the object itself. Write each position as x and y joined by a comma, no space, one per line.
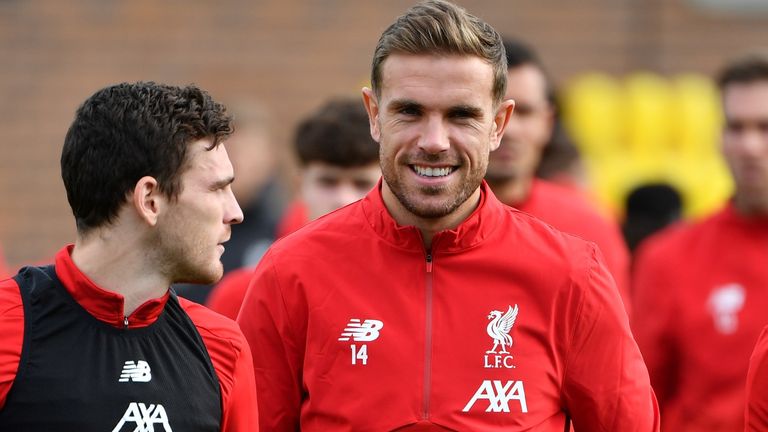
125,322
429,262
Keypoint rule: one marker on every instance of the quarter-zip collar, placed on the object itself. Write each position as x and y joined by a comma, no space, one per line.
472,231
106,306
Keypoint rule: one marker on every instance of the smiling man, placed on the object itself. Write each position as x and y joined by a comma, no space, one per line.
429,305
97,341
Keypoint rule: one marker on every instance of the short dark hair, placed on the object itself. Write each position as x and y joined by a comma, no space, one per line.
745,69
520,54
338,134
131,130
442,28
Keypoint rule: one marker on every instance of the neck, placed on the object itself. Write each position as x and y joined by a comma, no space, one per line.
120,264
428,226
511,191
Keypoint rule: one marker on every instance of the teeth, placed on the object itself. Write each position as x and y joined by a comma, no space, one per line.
432,172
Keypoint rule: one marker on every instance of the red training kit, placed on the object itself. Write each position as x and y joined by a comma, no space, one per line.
700,304
505,324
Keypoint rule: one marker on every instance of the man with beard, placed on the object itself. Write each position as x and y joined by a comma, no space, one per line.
429,305
97,341
512,167
339,165
700,288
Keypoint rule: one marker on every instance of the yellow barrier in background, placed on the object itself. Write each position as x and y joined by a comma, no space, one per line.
648,128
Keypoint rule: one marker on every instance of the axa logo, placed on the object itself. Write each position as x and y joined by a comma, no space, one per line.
144,417
725,303
136,371
365,331
499,394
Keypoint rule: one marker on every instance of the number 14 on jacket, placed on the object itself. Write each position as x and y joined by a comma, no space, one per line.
361,331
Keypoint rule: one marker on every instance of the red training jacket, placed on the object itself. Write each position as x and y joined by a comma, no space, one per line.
700,304
505,324
568,210
226,346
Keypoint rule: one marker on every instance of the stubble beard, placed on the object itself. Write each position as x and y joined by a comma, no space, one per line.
182,259
409,199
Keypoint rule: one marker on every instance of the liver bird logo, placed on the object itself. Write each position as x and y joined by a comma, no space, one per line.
499,327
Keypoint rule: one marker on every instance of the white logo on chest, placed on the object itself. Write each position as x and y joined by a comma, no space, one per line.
498,395
498,329
366,331
725,303
138,371
145,417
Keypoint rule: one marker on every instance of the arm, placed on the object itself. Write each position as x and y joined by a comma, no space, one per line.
756,413
11,335
277,349
241,413
605,385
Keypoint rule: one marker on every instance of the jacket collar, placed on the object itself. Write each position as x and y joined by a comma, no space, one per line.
107,306
472,231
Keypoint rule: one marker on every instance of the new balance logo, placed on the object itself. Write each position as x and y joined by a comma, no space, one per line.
145,417
136,371
362,332
498,396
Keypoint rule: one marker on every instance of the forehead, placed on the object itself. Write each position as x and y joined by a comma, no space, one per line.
207,164
746,100
438,79
526,82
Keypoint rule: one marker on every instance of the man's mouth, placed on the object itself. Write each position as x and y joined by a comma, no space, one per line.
426,171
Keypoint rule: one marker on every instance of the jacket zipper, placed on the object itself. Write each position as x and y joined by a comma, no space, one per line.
125,322
428,340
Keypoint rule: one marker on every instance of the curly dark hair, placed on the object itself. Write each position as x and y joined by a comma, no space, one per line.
131,130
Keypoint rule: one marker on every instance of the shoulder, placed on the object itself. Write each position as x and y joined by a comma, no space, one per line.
568,209
223,339
528,242
11,308
678,239
324,232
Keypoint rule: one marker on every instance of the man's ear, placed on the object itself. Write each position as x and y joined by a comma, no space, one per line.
148,200
372,107
500,120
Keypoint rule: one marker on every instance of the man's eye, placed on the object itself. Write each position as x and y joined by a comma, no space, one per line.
327,182
735,127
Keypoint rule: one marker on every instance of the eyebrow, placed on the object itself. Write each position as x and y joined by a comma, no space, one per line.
399,104
465,110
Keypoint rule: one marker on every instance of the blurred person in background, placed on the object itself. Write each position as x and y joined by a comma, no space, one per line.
258,190
649,208
98,341
512,167
339,165
560,161
701,288
396,311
